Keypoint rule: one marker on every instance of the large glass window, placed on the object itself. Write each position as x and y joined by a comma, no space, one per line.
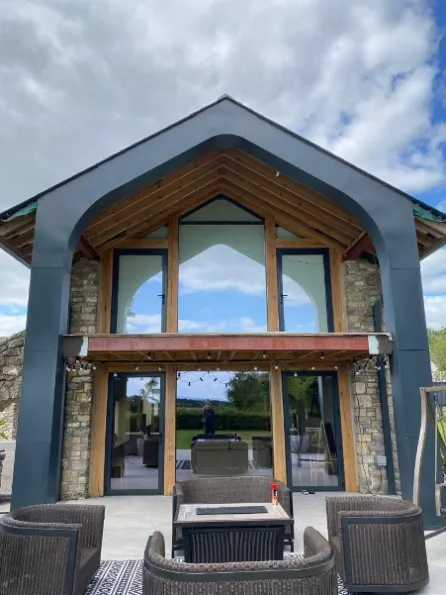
223,424
314,451
222,277
140,296
305,300
135,433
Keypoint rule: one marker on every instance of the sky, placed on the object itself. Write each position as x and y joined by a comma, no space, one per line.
82,80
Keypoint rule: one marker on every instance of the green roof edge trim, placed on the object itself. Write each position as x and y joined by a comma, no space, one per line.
27,210
422,212
418,210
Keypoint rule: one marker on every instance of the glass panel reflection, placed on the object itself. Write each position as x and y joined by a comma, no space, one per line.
222,279
223,425
140,295
312,436
136,433
304,301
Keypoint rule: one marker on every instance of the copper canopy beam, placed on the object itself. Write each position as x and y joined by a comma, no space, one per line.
371,344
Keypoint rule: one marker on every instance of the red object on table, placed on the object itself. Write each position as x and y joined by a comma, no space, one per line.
274,494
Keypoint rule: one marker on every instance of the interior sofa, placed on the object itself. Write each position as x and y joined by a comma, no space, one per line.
262,451
151,451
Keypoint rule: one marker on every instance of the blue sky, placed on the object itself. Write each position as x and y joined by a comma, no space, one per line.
362,79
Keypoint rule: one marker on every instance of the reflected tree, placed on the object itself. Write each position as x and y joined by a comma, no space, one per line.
249,391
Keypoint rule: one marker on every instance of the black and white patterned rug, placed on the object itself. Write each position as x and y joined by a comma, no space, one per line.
124,577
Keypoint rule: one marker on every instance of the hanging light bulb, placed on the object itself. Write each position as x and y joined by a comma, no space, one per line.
295,374
255,368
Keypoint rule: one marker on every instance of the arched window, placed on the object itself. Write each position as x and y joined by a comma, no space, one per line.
222,279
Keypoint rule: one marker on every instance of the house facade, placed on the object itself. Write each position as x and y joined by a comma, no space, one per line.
334,367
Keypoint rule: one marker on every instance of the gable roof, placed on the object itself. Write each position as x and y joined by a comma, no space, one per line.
432,220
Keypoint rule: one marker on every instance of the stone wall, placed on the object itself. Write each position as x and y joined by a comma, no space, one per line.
84,294
362,288
11,363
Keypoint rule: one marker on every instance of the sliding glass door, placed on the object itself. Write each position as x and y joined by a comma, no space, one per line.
134,462
313,431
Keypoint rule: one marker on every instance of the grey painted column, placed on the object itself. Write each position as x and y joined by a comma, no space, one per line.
405,319
41,414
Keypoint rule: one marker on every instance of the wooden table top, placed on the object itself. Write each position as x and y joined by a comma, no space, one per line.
187,514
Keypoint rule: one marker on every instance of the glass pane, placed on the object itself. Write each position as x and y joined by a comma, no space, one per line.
139,296
222,282
221,210
305,300
283,233
136,434
312,436
161,232
223,424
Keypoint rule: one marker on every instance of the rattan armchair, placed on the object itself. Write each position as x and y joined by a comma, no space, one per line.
50,549
378,543
229,490
301,575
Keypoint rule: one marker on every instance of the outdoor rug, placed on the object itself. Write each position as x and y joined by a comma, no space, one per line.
124,577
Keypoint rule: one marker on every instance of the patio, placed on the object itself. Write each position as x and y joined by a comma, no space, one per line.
129,520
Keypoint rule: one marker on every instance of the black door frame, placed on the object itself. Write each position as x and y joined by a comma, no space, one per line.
337,429
108,491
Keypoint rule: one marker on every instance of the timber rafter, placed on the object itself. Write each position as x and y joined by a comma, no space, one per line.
236,175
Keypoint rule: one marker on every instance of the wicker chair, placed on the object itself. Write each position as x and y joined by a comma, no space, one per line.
229,490
50,549
301,575
378,542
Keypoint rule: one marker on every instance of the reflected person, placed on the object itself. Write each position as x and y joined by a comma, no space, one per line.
208,418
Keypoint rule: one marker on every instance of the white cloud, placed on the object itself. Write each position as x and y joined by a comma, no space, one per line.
146,324
11,324
435,310
441,206
81,80
14,286
433,271
221,268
